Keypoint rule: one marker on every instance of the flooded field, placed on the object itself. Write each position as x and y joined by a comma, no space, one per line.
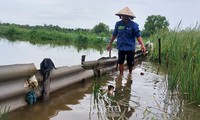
26,52
141,95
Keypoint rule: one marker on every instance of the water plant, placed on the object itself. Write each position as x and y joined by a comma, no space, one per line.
181,55
3,112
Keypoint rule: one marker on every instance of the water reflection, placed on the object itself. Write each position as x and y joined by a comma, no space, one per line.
60,101
136,96
123,95
99,47
19,52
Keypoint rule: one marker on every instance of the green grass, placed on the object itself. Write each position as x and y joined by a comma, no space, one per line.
181,55
80,38
3,113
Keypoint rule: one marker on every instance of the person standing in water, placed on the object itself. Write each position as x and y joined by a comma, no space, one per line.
126,30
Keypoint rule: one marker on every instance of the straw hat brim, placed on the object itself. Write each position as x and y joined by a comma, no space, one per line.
126,12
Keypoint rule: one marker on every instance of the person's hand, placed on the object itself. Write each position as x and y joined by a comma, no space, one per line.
143,49
108,47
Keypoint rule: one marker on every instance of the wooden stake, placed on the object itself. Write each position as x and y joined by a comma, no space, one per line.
159,50
109,53
46,89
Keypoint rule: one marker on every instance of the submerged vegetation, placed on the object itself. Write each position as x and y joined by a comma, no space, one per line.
81,38
3,112
181,55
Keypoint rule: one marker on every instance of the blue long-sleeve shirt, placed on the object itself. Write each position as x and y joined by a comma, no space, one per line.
126,34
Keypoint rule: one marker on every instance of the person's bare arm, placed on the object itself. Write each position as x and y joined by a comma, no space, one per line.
110,43
142,44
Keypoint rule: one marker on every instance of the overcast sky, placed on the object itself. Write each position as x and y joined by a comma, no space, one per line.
88,13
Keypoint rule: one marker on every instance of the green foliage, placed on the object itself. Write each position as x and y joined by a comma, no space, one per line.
3,113
153,24
10,32
181,54
49,34
101,29
81,39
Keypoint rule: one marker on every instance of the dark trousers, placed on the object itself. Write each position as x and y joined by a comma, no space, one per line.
126,55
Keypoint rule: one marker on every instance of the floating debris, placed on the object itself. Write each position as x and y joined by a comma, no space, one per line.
141,73
156,82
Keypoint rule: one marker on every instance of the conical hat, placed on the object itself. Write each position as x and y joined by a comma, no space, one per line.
125,11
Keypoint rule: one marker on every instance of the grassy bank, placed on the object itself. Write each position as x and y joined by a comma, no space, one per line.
181,55
81,38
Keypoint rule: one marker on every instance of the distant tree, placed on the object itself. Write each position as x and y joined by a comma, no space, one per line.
101,28
153,24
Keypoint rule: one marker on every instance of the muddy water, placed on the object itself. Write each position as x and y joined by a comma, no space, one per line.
141,95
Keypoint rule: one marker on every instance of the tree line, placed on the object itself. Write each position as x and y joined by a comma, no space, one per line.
96,37
54,34
152,24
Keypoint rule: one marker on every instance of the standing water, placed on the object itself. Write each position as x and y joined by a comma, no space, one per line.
140,95
19,52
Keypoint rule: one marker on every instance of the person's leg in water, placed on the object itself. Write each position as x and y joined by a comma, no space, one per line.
130,60
121,69
121,59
